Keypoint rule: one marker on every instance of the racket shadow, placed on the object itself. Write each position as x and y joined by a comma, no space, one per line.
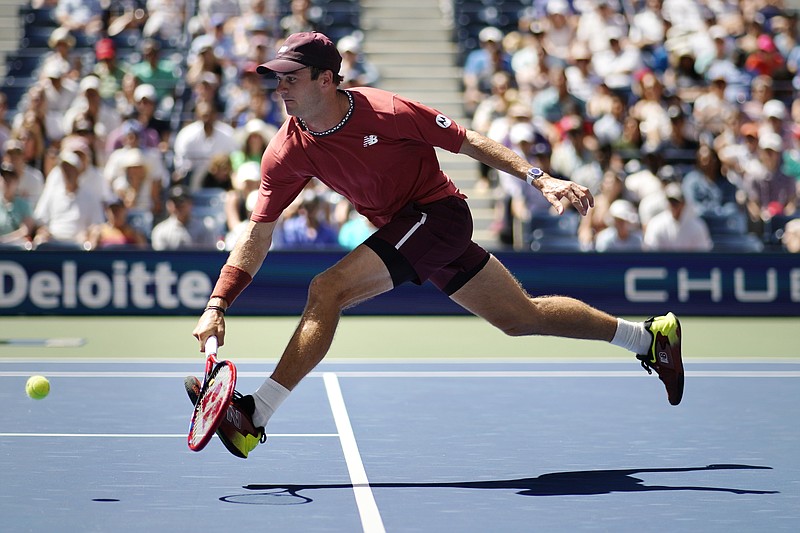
577,483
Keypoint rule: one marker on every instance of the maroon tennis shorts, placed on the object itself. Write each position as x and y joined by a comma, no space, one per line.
430,242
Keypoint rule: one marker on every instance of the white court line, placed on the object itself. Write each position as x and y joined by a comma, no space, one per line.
145,435
430,374
371,520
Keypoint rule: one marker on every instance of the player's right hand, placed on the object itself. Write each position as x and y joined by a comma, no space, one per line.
212,322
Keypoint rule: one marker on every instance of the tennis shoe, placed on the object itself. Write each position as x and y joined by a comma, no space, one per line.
237,432
664,355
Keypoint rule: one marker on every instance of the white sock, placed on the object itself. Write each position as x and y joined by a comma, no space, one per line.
268,398
632,336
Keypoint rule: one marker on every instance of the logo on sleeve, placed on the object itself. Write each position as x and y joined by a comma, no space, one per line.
369,140
443,122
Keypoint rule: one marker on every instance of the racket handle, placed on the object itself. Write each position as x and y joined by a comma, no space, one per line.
211,345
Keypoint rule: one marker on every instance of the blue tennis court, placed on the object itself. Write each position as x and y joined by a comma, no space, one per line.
409,446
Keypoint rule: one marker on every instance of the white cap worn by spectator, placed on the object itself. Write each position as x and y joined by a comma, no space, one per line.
143,91
490,34
774,109
623,210
770,141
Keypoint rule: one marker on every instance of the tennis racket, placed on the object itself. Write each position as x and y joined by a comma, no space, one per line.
214,398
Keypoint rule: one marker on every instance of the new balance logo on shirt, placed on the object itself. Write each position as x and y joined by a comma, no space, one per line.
369,140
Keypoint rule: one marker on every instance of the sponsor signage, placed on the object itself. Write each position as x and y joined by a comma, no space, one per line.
147,283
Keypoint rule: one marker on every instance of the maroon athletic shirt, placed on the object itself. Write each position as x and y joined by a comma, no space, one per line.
381,158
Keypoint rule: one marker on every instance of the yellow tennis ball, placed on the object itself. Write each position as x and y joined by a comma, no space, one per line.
37,387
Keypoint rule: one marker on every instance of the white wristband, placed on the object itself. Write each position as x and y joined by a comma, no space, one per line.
534,174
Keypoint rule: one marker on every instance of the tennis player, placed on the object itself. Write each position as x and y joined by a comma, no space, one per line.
377,149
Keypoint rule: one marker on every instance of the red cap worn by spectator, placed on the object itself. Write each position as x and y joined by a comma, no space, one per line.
105,49
305,49
765,43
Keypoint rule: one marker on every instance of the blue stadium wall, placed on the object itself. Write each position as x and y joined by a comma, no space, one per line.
157,283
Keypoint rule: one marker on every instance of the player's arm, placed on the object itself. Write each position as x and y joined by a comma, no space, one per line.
497,156
243,262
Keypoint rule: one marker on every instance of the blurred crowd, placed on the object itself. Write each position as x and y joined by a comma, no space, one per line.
159,146
680,116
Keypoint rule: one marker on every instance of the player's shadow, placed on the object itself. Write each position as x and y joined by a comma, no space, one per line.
580,483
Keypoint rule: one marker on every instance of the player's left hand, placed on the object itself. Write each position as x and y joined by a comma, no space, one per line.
554,190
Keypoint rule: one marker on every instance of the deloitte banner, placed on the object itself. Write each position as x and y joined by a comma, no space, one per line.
157,283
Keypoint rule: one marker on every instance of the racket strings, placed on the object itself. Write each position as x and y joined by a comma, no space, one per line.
208,409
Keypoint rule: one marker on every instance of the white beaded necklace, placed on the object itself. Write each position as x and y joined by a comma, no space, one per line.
336,127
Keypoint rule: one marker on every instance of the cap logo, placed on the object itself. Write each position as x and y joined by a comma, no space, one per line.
283,49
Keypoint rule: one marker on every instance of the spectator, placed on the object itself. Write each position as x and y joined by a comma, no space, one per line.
739,152
82,17
677,229
761,91
136,185
530,64
107,70
29,128
182,231
773,118
162,74
598,24
481,65
791,236
67,211
309,228
198,141
491,108
132,133
151,132
219,174
299,19
238,96
30,181
559,35
597,219
556,102
617,62
766,60
706,189
16,221
258,19
517,203
680,147
203,59
582,80
116,232
769,191
356,70
623,233
712,111
253,139
91,106
62,44
236,230
246,180
165,20
59,90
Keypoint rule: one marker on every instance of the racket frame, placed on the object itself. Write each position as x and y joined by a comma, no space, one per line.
212,368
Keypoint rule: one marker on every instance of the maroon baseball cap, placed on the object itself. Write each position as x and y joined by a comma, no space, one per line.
306,49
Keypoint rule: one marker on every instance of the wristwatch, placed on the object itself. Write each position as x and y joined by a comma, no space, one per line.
534,174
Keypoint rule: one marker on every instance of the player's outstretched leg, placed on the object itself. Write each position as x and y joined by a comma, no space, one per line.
236,431
664,355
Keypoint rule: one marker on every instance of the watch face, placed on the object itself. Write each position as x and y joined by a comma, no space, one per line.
535,172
